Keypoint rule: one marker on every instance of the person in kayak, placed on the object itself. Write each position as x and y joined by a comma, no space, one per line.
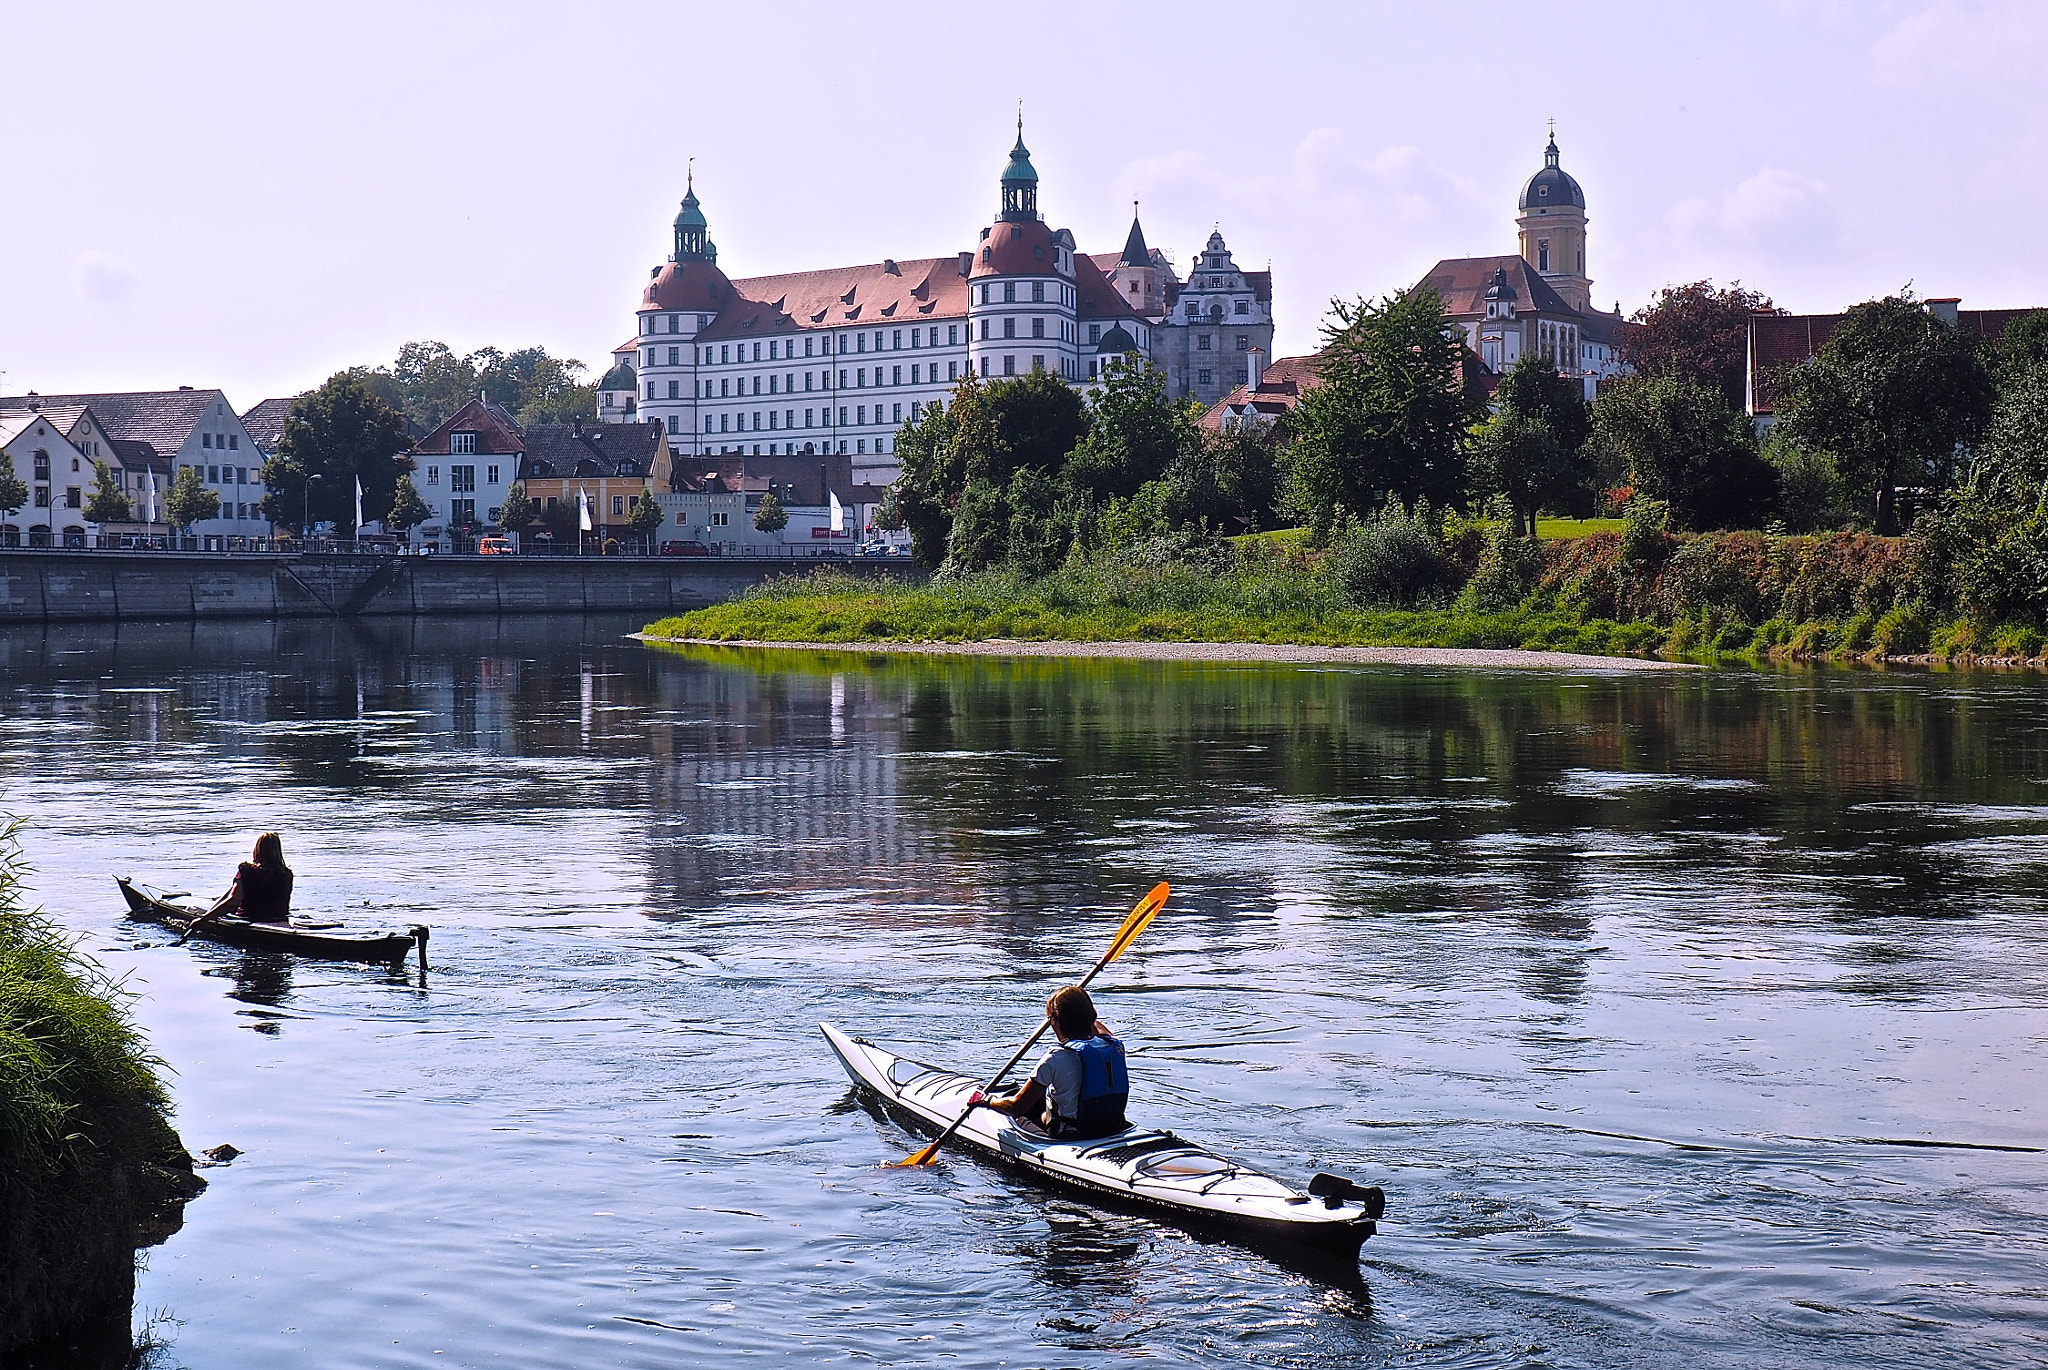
1080,1088
262,892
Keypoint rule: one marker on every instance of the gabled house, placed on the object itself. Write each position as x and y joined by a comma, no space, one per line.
463,470
58,476
613,465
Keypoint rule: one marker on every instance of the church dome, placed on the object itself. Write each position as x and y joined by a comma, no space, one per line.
1116,342
620,377
699,287
1552,188
1017,248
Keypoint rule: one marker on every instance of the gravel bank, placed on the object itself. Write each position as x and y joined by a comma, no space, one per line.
1463,658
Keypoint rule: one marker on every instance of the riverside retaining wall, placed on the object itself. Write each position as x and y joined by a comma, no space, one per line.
76,586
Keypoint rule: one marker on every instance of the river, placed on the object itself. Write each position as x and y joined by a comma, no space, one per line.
1687,1020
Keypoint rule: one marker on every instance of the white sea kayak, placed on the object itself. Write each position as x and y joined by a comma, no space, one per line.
1139,1165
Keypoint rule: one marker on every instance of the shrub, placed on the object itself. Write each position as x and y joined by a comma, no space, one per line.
1958,638
2016,642
1644,541
1901,632
1396,560
1508,569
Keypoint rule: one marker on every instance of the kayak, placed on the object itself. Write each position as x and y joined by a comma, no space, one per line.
1147,1167
304,937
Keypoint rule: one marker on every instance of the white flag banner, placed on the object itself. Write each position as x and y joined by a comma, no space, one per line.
583,509
149,509
838,512
359,501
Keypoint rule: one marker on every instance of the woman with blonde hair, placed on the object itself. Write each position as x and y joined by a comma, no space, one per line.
262,892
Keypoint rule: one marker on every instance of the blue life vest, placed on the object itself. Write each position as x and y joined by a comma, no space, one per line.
1105,1089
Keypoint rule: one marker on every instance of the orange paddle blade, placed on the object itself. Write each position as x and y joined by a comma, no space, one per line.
1141,918
924,1157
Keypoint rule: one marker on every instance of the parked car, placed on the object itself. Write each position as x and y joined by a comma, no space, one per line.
685,549
494,547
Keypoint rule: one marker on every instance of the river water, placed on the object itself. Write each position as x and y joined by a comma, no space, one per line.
1687,1020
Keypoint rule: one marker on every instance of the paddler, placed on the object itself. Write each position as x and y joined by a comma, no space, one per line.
1080,1088
262,892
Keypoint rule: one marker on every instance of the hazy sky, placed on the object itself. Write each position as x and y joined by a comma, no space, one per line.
253,197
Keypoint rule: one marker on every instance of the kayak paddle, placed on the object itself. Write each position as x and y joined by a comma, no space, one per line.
1147,909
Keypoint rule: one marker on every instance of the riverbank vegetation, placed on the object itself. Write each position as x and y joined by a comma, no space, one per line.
1899,507
90,1168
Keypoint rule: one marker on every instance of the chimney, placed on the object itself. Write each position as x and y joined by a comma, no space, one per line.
1255,369
576,423
1945,309
966,263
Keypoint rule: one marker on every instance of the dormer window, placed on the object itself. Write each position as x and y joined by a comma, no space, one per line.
462,444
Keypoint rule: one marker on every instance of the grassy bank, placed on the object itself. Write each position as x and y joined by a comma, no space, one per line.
89,1165
1745,596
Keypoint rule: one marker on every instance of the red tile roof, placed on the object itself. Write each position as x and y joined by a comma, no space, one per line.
496,433
880,293
1463,281
1777,340
1278,391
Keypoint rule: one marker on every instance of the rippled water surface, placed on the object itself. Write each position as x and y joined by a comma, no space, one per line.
1687,1020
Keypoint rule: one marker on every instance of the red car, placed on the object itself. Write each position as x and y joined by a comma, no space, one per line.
685,549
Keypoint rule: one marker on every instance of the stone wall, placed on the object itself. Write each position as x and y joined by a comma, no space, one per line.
55,587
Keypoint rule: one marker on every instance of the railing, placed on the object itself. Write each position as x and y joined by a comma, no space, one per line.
142,545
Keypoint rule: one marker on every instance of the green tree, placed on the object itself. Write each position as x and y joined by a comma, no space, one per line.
546,389
1246,460
189,501
434,381
1699,333
13,489
341,433
408,511
1520,459
108,504
514,515
770,516
1683,445
1388,411
1132,433
1533,389
647,516
889,512
2022,347
1892,396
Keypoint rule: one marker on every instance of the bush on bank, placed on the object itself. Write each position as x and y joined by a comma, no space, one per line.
90,1168
1409,580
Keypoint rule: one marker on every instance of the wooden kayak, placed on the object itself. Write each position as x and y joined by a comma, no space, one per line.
1140,1166
329,940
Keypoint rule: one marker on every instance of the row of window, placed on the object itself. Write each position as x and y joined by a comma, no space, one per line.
789,449
462,479
784,349
1066,329
785,383
231,442
1193,309
1062,294
813,418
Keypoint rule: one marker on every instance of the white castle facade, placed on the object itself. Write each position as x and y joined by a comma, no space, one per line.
834,361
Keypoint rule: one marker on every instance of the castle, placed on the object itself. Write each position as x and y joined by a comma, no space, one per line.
835,360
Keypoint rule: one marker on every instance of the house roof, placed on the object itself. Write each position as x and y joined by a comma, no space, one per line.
1279,389
1135,251
162,418
265,422
795,476
880,293
1097,295
1462,281
564,451
496,432
1016,247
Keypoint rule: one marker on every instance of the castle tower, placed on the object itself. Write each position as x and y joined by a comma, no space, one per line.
1553,229
1021,299
683,296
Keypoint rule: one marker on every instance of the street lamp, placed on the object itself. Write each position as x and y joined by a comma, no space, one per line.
306,509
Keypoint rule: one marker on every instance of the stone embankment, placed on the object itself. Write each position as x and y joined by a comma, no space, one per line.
62,586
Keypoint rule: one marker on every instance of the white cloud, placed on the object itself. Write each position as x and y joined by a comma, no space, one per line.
104,279
1976,47
1775,214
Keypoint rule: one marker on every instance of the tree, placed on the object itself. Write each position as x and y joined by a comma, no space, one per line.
542,389
1133,433
514,515
1685,446
2022,347
189,501
889,512
434,381
13,490
1521,459
647,516
408,511
108,503
1246,461
341,433
1699,333
1533,450
770,516
1891,396
1388,411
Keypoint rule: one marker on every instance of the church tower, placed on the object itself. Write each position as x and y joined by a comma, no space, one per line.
1021,298
1553,229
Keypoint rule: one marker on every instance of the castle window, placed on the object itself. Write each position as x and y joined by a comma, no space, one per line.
1038,363
1244,342
673,393
952,335
860,414
807,352
1134,287
1244,307
895,413
1202,377
1009,292
1094,333
675,356
842,416
1038,328
724,353
952,371
861,377
810,417
1202,342
1038,292
1009,328
896,339
1009,366
757,385
895,375
724,387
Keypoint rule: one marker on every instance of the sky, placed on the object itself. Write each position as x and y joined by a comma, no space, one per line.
252,197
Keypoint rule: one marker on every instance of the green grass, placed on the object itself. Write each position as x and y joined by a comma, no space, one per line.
1277,602
1553,530
86,1151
